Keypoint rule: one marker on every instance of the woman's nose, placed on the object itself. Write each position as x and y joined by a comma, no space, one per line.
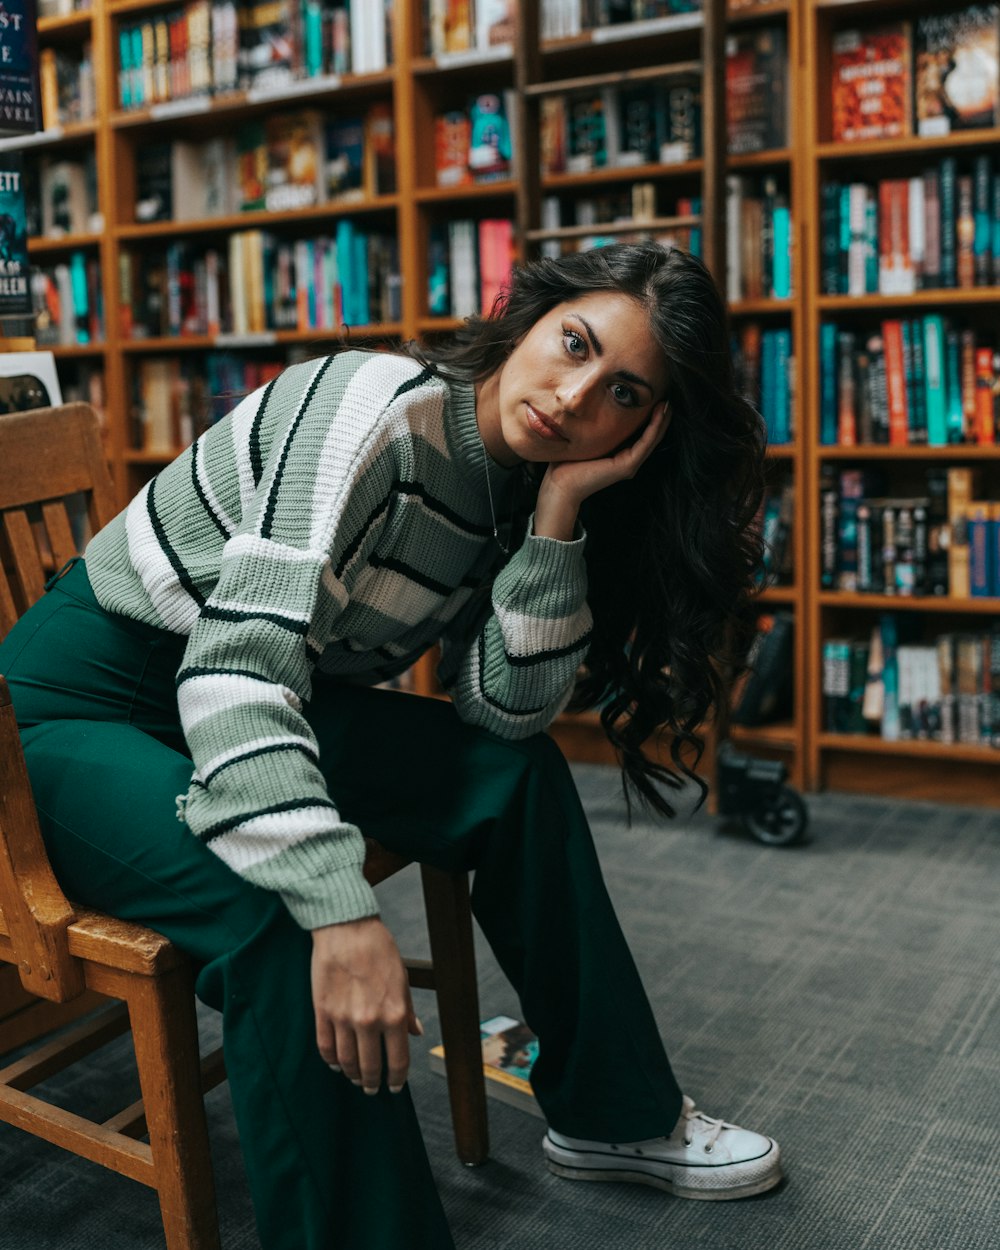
572,391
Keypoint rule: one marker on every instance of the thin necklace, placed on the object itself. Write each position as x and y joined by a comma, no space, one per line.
489,492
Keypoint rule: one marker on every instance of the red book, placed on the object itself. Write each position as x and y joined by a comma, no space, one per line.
870,76
984,396
895,383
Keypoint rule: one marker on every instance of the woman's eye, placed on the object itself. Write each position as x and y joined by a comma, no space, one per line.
624,395
574,342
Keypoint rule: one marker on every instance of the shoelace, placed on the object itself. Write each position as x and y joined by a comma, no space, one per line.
708,1128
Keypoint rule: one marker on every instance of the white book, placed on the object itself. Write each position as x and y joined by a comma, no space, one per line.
551,220
734,210
67,309
918,236
857,247
187,181
237,285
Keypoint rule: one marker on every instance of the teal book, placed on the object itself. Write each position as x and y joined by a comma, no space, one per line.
828,376
934,380
890,678
782,279
510,1050
954,417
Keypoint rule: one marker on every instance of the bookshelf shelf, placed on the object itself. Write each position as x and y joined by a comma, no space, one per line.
73,134
625,33
461,62
468,191
75,351
781,451
738,15
759,160
910,145
782,735
622,173
617,78
306,93
913,748
317,213
611,227
69,28
256,339
45,245
439,325
950,297
909,603
881,451
778,594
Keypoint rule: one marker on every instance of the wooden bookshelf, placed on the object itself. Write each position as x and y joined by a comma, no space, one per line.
956,772
418,86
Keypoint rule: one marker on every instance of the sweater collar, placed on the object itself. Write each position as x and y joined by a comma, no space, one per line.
464,441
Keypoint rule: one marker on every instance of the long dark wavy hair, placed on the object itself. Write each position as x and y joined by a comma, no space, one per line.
672,553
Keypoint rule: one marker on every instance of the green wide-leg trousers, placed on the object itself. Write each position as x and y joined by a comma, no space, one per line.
329,1167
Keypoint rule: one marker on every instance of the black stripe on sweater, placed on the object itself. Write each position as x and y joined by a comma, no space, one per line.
267,524
421,579
289,805
355,544
202,497
212,613
541,657
183,576
256,456
186,674
273,749
508,711
434,504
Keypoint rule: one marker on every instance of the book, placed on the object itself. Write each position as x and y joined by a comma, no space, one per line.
295,161
870,72
765,692
28,380
956,63
20,97
15,294
509,1053
756,98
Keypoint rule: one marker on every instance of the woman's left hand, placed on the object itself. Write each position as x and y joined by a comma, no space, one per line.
568,483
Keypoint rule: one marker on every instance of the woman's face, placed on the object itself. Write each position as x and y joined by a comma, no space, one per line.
581,382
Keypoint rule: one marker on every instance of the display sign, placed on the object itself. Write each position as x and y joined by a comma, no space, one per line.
15,292
20,99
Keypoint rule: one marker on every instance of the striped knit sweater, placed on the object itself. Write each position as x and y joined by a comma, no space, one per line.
337,518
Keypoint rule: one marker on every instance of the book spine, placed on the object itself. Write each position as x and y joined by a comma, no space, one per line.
949,216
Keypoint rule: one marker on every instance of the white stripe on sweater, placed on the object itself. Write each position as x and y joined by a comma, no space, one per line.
241,422
177,609
198,452
278,453
205,695
344,458
263,837
527,635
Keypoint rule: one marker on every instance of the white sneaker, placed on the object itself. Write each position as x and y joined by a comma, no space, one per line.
702,1158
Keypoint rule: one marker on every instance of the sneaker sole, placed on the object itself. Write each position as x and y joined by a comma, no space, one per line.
710,1193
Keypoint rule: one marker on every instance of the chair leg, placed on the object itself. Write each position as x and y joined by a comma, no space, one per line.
166,1049
449,925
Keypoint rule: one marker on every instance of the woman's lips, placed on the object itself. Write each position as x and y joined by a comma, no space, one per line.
543,426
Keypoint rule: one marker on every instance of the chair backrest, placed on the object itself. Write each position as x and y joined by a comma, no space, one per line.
49,459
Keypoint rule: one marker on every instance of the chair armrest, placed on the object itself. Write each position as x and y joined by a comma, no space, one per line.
34,907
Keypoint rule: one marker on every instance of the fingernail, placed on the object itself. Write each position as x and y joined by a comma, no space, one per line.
420,1027
395,1089
370,1091
334,1067
356,1082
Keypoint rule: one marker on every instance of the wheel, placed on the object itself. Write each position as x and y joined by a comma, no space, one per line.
779,820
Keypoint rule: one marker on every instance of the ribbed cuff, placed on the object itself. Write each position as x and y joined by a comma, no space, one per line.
334,899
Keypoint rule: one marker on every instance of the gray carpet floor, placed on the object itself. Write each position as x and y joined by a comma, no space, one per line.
841,995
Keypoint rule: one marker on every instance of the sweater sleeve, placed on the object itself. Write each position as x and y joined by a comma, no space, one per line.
257,796
519,670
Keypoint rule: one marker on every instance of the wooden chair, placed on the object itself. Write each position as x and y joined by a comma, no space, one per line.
59,962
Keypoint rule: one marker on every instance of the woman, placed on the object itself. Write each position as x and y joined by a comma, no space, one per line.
234,618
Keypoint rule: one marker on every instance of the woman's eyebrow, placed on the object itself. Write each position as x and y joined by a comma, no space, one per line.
595,343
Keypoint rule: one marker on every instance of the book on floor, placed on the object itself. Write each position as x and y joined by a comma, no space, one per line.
509,1053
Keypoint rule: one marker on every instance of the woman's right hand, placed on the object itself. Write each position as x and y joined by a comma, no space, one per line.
361,997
